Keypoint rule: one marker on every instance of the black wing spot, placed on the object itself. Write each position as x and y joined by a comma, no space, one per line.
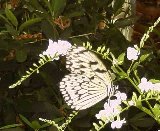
100,71
93,63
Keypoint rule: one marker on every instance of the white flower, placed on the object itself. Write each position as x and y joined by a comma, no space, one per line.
112,107
101,114
61,47
156,87
112,103
121,96
145,85
132,53
117,124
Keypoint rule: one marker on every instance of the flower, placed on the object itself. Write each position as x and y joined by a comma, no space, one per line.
145,85
112,108
156,87
121,96
101,114
117,124
61,47
132,53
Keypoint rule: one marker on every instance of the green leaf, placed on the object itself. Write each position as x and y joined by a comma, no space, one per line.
11,17
21,55
26,121
145,122
4,18
36,125
149,95
89,46
101,123
102,49
121,58
98,49
47,2
134,97
96,126
45,125
49,30
58,119
154,81
144,57
37,5
10,126
29,23
138,116
141,120
138,102
122,75
135,65
11,30
156,110
78,41
75,14
58,6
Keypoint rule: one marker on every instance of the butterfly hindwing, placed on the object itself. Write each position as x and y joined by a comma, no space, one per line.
88,82
80,92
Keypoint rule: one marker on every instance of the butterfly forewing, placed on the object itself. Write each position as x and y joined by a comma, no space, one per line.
81,61
88,82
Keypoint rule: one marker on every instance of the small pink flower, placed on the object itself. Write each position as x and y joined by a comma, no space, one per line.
145,85
61,47
132,53
117,124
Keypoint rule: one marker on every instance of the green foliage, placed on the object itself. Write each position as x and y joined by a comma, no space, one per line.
42,61
10,126
37,94
28,23
11,17
34,124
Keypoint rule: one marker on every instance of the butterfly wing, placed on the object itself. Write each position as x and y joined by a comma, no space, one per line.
89,81
81,92
84,62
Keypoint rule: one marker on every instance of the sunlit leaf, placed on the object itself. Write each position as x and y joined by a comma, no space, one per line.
29,23
11,17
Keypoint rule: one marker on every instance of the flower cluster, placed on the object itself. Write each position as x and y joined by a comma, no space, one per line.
133,53
112,109
60,48
146,86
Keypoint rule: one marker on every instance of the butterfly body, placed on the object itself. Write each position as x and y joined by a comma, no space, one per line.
88,82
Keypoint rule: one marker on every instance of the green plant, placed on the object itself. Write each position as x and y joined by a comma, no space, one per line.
24,33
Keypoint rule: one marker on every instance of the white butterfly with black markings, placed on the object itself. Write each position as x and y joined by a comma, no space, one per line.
88,82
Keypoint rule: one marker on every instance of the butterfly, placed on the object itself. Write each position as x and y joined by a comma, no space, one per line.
88,82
